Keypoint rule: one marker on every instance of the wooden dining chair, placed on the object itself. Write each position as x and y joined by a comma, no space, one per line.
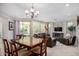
20,36
41,49
16,52
7,50
13,49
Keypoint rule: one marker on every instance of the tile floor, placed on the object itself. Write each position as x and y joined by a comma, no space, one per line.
63,50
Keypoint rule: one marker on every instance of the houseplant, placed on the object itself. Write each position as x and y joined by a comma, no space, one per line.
72,29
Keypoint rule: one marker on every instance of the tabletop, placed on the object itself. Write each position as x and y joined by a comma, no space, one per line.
29,42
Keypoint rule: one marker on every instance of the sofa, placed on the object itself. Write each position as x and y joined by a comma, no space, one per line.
67,41
51,43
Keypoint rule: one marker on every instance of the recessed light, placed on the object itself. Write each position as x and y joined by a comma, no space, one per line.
67,5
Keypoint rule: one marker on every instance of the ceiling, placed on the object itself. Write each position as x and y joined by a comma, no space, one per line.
48,11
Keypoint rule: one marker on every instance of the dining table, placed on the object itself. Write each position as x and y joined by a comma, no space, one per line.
28,43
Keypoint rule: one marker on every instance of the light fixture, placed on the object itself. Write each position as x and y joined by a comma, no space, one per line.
32,12
67,5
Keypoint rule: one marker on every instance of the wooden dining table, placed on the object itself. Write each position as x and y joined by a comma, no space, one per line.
28,43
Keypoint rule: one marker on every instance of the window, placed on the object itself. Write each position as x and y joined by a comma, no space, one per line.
25,28
43,27
38,27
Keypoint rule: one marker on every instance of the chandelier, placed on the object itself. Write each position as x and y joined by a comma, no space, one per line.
32,12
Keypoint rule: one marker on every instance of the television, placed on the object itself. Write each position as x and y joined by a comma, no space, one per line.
58,29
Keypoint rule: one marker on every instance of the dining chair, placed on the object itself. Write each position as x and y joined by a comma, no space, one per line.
13,49
20,36
16,52
41,49
7,50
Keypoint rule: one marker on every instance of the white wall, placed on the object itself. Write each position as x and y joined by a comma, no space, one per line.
0,29
10,32
5,26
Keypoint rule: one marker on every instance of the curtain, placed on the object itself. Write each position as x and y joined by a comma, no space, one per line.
16,27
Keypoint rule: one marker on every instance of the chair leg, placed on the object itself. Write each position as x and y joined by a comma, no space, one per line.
5,54
8,54
45,52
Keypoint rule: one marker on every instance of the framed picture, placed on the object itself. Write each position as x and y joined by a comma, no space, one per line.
11,25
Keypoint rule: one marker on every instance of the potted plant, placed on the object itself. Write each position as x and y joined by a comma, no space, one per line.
72,29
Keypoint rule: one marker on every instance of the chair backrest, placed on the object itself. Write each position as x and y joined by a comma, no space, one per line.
18,36
6,47
44,41
13,49
43,46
